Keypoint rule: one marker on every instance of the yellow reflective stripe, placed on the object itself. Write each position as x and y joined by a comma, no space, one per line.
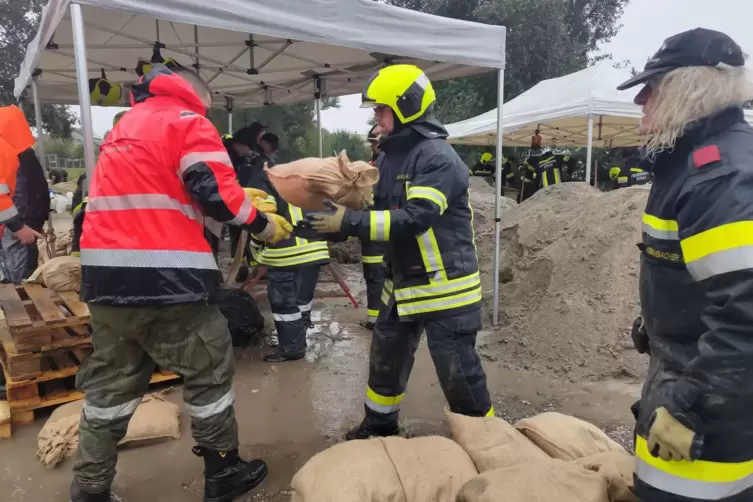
697,470
440,304
557,176
382,404
636,170
372,259
429,193
295,260
660,229
379,225
719,250
438,288
75,253
293,250
432,258
490,413
372,312
622,179
296,215
387,291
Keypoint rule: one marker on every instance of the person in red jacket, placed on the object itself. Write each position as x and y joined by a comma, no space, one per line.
151,281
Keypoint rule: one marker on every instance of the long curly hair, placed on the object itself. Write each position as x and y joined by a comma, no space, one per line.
687,95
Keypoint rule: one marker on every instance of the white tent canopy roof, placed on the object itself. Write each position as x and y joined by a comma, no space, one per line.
560,107
256,53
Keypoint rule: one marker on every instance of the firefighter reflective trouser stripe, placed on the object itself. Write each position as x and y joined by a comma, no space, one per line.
697,480
291,294
374,275
190,339
451,341
551,178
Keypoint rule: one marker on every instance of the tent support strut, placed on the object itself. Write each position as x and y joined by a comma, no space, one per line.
498,192
82,77
589,151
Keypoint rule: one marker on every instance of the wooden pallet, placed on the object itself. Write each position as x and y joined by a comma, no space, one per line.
31,312
52,389
21,365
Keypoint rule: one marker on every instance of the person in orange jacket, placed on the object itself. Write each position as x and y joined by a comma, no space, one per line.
15,138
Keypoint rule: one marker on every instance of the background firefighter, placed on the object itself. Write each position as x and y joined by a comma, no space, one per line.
694,433
150,279
422,213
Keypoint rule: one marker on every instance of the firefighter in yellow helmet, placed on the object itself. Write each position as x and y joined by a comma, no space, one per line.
485,165
422,214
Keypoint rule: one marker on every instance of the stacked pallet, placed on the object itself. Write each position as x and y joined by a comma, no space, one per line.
44,336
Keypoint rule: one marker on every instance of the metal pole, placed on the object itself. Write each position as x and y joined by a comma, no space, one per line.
40,127
196,49
590,147
230,121
498,193
82,78
318,106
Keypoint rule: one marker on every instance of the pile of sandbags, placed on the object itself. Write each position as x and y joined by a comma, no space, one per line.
549,457
59,274
308,183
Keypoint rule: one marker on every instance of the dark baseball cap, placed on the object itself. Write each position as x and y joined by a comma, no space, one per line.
698,47
247,135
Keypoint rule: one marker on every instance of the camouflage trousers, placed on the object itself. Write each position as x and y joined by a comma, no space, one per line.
191,340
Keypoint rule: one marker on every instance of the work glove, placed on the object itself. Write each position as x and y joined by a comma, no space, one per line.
277,229
255,192
328,223
640,336
669,439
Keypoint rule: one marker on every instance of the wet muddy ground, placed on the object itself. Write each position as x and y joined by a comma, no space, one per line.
289,412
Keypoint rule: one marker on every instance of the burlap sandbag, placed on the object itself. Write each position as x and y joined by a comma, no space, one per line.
356,471
426,469
154,420
59,274
548,480
307,183
565,437
492,443
618,469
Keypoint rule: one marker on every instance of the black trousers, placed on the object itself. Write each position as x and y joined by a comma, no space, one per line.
291,294
452,344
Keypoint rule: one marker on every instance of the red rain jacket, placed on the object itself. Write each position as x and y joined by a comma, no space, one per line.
15,138
161,173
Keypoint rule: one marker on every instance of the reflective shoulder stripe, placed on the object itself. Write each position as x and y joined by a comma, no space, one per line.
4,189
137,258
138,201
429,193
660,229
194,158
112,412
699,479
379,225
432,258
7,214
374,260
440,288
211,409
726,248
440,304
382,404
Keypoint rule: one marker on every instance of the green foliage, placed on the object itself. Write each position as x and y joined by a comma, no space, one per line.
63,148
20,21
354,144
546,39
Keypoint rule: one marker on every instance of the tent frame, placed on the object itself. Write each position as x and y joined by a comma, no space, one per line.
82,61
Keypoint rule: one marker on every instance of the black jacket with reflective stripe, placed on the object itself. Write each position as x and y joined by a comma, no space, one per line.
696,285
430,251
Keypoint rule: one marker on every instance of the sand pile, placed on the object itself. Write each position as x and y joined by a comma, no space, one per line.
570,281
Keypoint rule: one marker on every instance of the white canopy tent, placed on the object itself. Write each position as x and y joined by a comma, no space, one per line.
581,109
253,53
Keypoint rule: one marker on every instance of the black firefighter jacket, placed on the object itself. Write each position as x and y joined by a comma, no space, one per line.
32,195
696,287
422,212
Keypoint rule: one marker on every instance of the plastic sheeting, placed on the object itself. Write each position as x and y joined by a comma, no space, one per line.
260,52
560,108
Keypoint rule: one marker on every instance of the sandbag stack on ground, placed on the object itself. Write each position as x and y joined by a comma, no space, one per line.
308,183
59,274
394,469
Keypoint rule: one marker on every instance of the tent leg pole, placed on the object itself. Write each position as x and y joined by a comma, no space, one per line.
498,193
589,152
40,127
82,79
318,105
230,121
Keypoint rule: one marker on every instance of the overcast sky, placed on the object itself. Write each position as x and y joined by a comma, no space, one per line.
646,23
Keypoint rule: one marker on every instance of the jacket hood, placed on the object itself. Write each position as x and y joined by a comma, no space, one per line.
161,81
14,129
425,127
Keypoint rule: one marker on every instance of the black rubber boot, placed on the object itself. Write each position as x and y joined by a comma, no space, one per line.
227,476
374,427
277,358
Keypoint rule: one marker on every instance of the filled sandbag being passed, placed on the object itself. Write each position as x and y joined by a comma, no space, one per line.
394,469
565,437
59,274
618,469
356,471
492,443
307,183
545,481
